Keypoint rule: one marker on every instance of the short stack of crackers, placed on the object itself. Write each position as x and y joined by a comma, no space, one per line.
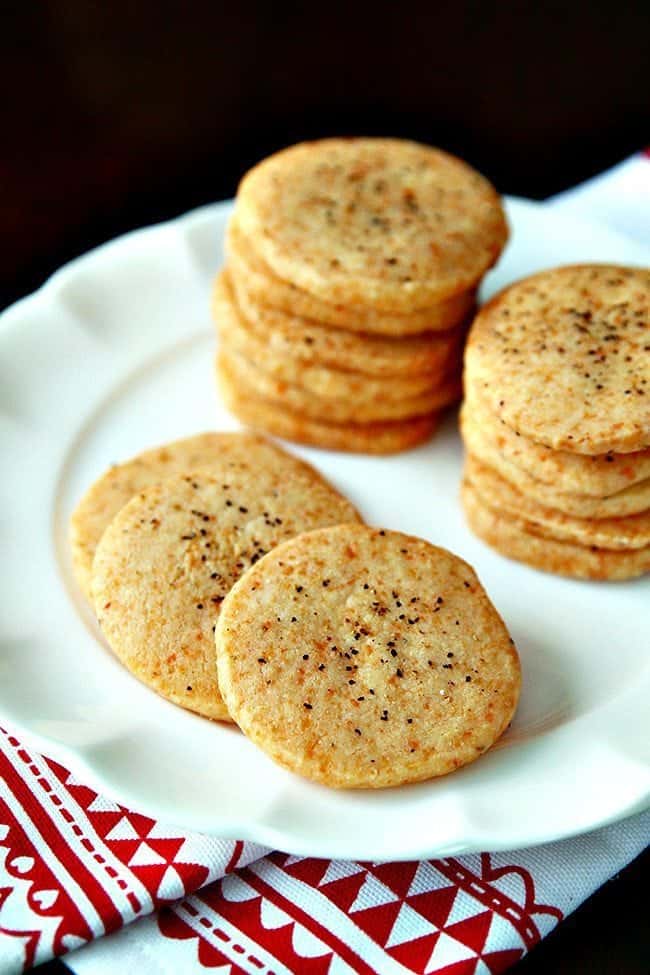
235,581
352,270
556,422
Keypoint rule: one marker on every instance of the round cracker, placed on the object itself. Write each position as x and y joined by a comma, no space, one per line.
322,381
121,482
610,533
631,501
563,357
514,539
362,438
382,223
256,283
364,658
351,410
599,476
168,559
291,335
310,349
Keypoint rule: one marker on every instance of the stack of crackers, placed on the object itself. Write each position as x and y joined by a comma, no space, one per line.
352,269
556,422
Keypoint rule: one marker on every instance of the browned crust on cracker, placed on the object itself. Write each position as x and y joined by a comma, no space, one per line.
365,658
362,438
619,534
563,357
116,486
249,376
598,476
381,223
170,556
255,282
516,540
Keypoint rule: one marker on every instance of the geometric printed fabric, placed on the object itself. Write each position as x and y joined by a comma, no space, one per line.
75,866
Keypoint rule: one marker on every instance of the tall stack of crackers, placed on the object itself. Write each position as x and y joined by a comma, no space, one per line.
556,422
352,271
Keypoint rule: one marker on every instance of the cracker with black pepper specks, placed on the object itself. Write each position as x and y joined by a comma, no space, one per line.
256,285
169,558
365,658
480,440
563,357
120,483
381,223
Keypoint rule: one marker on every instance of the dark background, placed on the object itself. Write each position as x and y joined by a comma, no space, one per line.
115,115
118,114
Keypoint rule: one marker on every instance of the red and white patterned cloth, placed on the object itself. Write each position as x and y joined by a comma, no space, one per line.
77,869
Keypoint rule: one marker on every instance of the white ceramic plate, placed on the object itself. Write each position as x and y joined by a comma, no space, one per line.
114,354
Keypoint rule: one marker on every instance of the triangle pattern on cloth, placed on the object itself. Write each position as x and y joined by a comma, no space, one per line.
414,955
123,830
502,932
464,907
145,856
397,876
427,877
447,952
499,961
473,931
467,967
166,847
102,805
171,886
142,824
307,869
338,869
71,780
377,922
125,838
345,891
408,926
372,894
434,905
161,831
